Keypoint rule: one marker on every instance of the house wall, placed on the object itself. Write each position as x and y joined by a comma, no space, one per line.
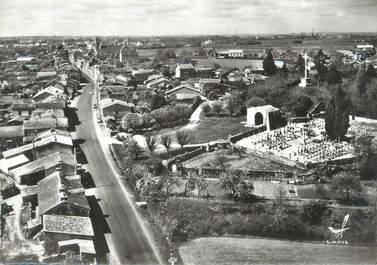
22,113
55,237
185,93
52,148
119,109
34,178
68,209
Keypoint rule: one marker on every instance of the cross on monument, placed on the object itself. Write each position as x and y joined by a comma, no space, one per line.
305,79
306,64
172,259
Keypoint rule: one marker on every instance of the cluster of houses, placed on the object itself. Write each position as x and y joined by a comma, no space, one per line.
38,160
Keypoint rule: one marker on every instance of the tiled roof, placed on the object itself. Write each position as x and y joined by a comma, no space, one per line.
52,90
180,87
209,81
56,103
186,66
157,81
54,190
43,163
74,225
46,123
107,102
40,141
23,106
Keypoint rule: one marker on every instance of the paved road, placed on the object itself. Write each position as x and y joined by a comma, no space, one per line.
127,238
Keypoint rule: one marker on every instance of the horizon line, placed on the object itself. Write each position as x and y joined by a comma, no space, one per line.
191,34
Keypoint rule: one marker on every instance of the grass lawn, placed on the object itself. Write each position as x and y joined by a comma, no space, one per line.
215,128
209,129
242,251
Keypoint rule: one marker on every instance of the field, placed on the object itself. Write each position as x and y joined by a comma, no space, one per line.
242,251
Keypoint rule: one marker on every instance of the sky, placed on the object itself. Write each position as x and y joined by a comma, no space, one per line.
177,17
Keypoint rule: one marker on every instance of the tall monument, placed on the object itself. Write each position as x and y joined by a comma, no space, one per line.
305,80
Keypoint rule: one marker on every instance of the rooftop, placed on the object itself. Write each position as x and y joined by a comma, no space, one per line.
46,123
74,225
16,161
40,141
107,102
52,90
55,189
180,87
43,163
86,246
11,131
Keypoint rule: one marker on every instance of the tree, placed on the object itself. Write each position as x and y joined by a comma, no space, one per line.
206,108
320,65
337,115
197,181
333,76
284,71
169,180
151,143
131,121
160,115
217,107
183,110
232,104
300,63
366,150
132,147
269,66
347,186
370,72
314,211
237,184
300,105
165,140
371,100
255,102
151,188
182,137
201,52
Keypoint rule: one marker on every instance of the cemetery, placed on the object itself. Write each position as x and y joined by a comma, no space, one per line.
304,142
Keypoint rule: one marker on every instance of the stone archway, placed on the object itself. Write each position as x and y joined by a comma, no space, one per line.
258,118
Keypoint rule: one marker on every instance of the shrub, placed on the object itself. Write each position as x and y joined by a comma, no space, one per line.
183,110
206,108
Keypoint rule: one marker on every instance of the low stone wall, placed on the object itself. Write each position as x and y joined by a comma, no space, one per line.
252,174
186,156
235,138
